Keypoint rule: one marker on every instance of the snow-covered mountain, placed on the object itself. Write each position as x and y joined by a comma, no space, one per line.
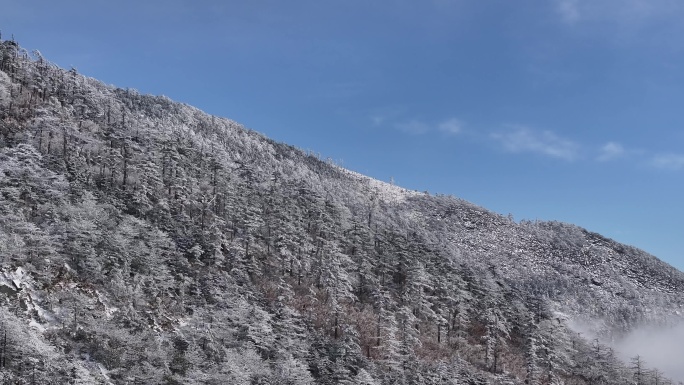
144,241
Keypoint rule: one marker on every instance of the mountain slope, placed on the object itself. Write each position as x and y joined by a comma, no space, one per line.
144,241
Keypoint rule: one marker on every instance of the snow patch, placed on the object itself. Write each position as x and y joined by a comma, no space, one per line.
108,309
35,325
104,372
14,280
387,192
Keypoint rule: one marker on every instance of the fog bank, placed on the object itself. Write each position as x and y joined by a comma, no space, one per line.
661,348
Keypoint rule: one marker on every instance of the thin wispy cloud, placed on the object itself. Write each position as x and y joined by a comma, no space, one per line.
611,151
568,10
618,11
414,127
668,161
452,126
378,120
384,116
520,139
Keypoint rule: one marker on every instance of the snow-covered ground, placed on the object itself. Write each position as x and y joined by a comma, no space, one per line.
388,192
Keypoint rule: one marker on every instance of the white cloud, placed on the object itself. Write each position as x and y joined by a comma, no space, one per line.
414,127
662,348
618,11
522,139
568,10
452,126
385,115
668,161
377,120
611,151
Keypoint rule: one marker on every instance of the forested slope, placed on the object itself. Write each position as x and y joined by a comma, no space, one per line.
144,241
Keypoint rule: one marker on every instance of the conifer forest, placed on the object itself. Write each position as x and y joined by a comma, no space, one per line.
143,241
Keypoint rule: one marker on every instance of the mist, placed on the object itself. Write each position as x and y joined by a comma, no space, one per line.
661,348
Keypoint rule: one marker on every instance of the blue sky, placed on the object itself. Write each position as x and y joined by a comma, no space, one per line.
557,109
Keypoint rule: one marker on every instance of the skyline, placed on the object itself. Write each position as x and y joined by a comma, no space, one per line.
563,110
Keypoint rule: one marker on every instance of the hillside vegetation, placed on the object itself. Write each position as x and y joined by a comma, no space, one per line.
143,241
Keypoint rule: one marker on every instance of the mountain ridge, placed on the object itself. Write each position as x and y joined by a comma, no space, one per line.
144,240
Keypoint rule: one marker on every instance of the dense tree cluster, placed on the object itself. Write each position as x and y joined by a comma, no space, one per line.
144,241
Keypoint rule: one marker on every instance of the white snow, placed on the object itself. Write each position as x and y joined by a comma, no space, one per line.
109,310
35,325
388,192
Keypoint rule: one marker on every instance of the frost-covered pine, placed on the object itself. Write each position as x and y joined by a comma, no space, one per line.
142,240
